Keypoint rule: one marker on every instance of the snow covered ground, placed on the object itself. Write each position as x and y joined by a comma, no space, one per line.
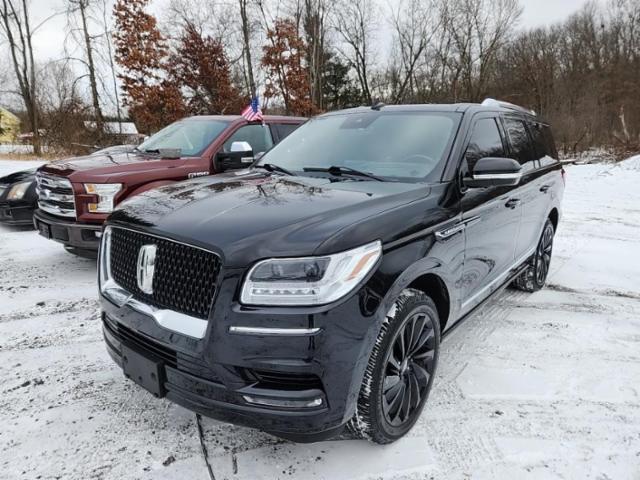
16,149
542,386
9,166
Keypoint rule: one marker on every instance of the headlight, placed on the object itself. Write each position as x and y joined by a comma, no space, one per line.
18,190
106,193
311,280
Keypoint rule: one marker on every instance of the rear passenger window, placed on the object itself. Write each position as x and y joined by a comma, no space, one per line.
284,129
258,136
521,146
543,143
538,140
550,144
486,141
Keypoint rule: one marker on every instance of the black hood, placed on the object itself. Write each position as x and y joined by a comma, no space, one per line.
18,177
8,181
249,215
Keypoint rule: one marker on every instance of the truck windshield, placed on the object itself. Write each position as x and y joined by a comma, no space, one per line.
192,137
400,146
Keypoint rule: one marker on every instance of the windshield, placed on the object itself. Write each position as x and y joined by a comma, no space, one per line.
192,137
403,146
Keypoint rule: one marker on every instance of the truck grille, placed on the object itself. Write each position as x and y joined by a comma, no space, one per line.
184,278
55,195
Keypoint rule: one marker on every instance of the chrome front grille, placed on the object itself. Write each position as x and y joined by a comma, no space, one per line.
55,195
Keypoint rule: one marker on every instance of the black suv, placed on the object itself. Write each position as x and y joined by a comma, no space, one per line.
311,291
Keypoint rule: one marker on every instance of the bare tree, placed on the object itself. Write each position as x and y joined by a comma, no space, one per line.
110,60
81,8
16,27
415,23
354,21
478,29
315,27
246,45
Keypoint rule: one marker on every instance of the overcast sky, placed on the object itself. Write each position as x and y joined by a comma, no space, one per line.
50,38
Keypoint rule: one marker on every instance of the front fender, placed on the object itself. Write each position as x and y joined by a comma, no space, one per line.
404,265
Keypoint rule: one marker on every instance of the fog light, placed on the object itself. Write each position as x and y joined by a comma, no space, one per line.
283,403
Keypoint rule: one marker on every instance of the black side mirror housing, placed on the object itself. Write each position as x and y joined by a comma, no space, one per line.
494,172
234,160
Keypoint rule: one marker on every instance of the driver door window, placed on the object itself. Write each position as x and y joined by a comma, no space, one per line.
485,141
258,136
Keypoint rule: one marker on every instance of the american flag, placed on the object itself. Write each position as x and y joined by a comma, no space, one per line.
253,113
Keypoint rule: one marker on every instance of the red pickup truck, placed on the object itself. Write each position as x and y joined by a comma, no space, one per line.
75,196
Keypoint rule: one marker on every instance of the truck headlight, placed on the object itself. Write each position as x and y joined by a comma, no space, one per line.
18,190
311,280
106,193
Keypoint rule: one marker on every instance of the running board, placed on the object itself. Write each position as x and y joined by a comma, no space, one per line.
475,309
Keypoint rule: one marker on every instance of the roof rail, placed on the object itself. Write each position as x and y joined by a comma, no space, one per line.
491,102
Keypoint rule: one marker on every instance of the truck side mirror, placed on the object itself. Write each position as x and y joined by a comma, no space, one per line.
239,156
494,172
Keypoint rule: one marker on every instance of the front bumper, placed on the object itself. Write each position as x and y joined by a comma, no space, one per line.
218,374
81,236
20,213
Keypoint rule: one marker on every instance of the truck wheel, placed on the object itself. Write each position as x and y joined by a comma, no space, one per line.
400,372
535,276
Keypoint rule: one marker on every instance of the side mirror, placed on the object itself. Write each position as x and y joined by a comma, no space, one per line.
170,153
239,156
494,172
241,147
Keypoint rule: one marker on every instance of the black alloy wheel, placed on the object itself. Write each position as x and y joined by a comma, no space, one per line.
401,369
407,369
535,275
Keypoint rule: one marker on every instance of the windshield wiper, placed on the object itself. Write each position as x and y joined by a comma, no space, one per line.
340,170
271,167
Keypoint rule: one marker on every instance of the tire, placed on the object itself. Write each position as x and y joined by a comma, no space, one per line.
413,320
535,276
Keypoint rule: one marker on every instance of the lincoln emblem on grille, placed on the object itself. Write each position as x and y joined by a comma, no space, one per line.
146,267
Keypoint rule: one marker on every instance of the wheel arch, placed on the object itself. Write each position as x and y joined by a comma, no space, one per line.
554,216
434,286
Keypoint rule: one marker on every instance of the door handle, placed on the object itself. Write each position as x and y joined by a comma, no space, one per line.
545,188
513,203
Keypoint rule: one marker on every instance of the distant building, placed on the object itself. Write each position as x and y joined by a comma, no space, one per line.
9,126
119,132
